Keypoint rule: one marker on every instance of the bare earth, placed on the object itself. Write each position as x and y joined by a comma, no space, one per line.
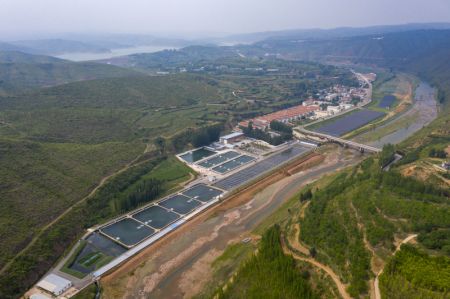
179,266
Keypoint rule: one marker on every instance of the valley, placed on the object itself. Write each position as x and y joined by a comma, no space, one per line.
292,167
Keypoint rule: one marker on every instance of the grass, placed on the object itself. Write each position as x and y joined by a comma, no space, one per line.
66,268
390,128
87,293
172,172
41,180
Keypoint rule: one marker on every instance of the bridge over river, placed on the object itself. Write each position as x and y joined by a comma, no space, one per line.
344,142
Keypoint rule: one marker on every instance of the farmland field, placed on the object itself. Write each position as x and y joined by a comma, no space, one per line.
349,122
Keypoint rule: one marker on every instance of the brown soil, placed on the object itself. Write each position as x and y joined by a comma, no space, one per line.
340,286
308,163
235,200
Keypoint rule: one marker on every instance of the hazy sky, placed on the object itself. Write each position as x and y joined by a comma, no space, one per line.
230,16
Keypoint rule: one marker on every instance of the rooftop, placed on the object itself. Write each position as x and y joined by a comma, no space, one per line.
54,283
232,135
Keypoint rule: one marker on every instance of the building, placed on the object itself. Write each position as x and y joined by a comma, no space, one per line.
231,138
320,114
333,109
308,102
54,284
284,116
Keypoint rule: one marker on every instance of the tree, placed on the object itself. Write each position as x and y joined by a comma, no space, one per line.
306,195
387,155
160,143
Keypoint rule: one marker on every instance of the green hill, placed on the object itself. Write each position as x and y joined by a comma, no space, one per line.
170,59
57,143
59,46
20,71
115,109
357,217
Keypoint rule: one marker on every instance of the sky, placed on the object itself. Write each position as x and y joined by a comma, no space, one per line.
34,17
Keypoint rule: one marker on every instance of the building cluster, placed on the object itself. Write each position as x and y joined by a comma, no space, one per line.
284,116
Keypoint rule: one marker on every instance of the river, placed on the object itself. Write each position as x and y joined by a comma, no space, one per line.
423,111
181,267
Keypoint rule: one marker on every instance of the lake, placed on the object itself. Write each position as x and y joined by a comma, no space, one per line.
85,56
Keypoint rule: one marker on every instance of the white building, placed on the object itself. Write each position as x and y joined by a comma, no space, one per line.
319,114
230,138
54,284
346,106
333,109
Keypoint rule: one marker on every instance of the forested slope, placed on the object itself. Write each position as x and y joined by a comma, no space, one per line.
56,145
20,71
354,223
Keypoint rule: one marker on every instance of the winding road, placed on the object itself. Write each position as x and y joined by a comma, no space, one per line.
377,282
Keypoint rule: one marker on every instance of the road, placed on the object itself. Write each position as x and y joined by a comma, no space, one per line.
340,286
294,242
180,268
376,282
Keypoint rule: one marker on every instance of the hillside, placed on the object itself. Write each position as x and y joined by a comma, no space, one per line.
57,143
355,221
340,32
20,71
59,46
170,59
399,49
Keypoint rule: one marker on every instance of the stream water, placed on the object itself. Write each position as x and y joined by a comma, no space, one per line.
424,110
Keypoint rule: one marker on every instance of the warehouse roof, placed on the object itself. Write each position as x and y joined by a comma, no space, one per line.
54,284
232,135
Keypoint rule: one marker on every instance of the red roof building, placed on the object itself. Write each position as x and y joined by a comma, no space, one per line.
286,115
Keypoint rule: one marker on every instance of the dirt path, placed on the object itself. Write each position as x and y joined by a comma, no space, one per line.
297,245
377,282
340,286
294,242
46,227
376,263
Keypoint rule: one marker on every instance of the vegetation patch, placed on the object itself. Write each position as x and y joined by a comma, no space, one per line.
268,274
414,274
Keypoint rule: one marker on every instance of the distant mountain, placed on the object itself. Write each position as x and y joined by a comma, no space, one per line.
59,46
13,56
398,49
173,58
10,47
116,40
20,71
423,52
314,34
